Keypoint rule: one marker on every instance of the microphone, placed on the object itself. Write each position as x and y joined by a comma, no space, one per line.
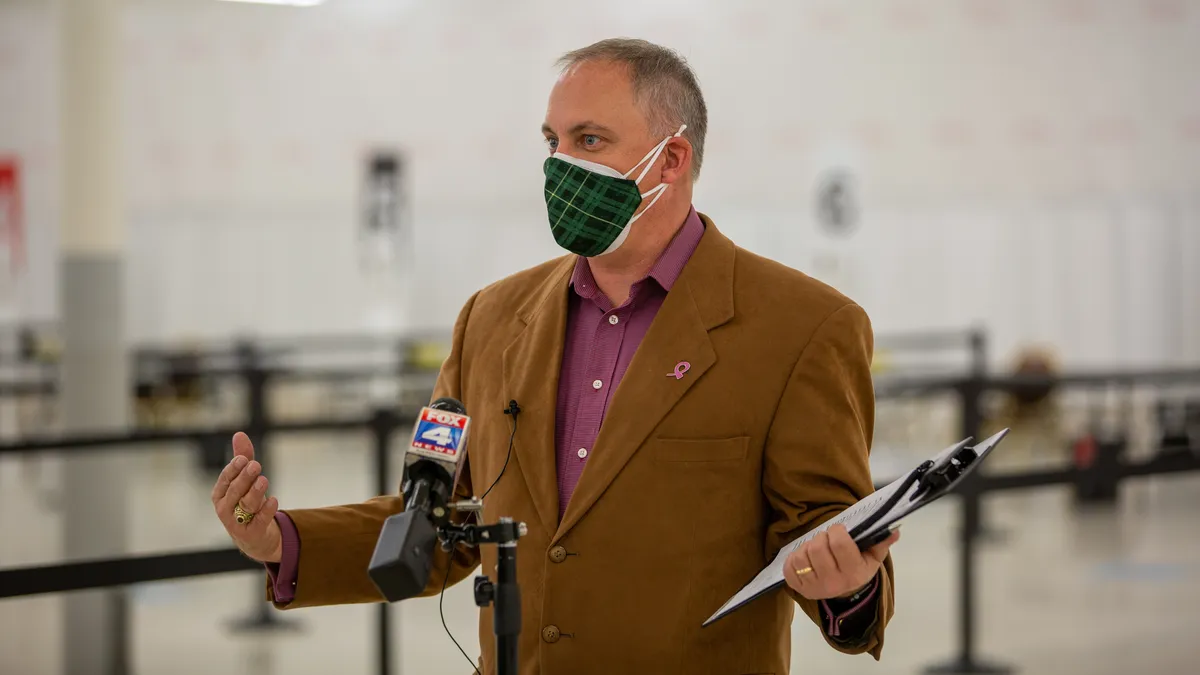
403,555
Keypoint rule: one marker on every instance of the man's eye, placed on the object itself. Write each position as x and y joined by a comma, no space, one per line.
591,140
552,143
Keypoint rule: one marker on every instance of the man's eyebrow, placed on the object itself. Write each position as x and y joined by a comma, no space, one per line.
587,125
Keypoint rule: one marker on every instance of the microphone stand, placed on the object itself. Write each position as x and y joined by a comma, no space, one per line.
504,592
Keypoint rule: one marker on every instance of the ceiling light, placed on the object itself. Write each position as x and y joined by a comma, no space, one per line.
290,3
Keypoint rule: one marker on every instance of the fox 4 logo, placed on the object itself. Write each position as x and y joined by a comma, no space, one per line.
439,434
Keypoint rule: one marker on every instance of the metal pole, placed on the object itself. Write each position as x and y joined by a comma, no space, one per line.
966,577
382,424
970,394
972,424
256,428
979,355
255,375
965,663
506,619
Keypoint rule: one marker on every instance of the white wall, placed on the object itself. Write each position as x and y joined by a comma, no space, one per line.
1033,165
29,132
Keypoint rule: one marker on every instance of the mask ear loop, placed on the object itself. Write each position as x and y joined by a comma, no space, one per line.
652,156
657,190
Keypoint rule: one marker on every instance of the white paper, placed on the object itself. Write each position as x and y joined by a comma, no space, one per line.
851,517
861,511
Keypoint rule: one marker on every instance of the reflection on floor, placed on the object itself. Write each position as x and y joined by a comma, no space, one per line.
1106,593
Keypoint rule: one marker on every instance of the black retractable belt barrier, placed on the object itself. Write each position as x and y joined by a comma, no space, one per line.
1112,468
86,574
72,576
102,573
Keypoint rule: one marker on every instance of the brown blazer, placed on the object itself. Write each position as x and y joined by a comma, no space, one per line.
692,486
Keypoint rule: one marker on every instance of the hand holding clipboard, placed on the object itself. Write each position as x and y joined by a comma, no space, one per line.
871,520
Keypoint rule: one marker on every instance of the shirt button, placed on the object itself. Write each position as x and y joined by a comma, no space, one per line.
596,384
614,320
551,634
558,554
582,453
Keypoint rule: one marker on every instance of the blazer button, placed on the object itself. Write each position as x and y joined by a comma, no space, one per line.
551,634
558,554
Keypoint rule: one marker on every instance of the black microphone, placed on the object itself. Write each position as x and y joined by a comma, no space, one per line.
512,409
404,551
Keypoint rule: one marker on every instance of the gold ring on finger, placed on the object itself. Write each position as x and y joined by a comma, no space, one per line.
241,515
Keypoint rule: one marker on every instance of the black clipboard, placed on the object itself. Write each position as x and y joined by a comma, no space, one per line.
870,521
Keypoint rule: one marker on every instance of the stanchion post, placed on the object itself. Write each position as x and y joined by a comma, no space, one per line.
256,378
383,423
970,394
971,423
979,351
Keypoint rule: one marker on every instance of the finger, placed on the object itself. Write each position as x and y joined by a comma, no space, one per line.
240,486
254,499
804,572
879,551
789,572
845,551
230,472
823,564
798,562
242,447
263,519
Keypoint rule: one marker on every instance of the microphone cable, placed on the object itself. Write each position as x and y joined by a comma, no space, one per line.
512,410
442,613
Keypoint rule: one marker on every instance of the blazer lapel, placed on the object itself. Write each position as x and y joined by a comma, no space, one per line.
701,299
531,371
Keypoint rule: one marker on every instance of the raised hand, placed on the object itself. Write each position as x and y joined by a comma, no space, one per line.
241,502
830,565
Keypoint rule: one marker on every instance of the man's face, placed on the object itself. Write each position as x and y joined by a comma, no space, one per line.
592,115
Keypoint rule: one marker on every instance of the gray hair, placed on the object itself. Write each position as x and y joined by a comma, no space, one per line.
663,84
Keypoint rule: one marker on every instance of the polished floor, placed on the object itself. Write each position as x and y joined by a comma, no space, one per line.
1061,591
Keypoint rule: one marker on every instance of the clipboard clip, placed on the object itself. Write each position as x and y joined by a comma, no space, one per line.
936,477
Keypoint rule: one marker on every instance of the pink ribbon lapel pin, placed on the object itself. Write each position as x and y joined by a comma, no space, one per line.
680,368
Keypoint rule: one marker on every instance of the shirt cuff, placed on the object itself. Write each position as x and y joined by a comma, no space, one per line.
852,622
284,574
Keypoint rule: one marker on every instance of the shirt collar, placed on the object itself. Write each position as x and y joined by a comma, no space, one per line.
666,269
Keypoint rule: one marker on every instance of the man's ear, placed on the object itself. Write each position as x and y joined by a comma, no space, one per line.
677,162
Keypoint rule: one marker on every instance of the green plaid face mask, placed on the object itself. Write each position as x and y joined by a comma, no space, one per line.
591,206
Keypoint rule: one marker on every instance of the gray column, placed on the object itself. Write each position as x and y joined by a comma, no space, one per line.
95,390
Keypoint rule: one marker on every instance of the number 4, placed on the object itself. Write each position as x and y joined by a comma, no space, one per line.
439,435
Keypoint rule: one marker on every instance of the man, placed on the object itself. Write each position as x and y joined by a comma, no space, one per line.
687,408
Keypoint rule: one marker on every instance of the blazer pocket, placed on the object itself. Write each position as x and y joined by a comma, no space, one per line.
701,449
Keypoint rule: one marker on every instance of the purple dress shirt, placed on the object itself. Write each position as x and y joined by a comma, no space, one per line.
600,343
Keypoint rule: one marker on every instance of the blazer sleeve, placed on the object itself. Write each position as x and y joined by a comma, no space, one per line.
816,456
337,542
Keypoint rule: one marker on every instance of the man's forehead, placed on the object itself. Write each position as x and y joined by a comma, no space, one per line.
590,95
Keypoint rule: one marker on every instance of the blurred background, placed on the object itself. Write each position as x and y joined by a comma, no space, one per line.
220,215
